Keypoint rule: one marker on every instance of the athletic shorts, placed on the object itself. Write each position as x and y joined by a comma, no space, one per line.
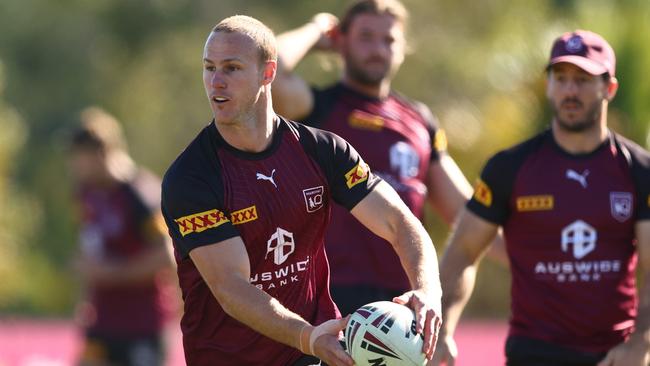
523,351
145,351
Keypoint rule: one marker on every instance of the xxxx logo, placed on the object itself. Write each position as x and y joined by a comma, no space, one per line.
244,215
366,121
199,222
482,193
357,175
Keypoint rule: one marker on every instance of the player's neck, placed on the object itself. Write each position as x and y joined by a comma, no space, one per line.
253,133
582,142
379,91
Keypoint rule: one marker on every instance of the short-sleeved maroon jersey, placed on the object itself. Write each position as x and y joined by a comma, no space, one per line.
569,227
279,202
113,228
398,138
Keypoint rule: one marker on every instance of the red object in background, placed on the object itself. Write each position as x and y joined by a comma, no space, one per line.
28,342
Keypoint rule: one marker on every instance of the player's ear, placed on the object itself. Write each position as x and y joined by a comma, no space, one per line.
338,39
612,87
268,72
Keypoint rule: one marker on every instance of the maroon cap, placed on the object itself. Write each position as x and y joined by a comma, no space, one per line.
585,49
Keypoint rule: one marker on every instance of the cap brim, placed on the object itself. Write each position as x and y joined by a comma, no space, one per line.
590,66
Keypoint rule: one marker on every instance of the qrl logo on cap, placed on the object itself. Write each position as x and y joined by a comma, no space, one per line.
574,44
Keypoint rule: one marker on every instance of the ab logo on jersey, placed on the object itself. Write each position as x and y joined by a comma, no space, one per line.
358,174
202,221
581,236
482,193
281,245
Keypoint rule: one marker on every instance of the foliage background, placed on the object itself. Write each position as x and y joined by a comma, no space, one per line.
477,64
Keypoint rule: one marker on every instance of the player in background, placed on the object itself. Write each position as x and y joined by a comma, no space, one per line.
573,202
247,203
399,137
125,256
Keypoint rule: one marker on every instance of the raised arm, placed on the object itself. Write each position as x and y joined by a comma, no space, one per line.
292,97
468,243
383,212
636,350
225,268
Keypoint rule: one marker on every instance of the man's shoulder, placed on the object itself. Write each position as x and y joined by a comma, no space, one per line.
634,152
418,108
193,162
311,136
517,153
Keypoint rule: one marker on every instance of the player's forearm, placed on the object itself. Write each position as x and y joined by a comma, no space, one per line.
147,266
295,44
642,322
458,275
259,311
418,256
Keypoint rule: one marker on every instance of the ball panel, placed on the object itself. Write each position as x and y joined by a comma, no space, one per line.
383,333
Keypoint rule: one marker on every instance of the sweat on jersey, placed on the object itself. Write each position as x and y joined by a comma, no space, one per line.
278,201
568,222
399,139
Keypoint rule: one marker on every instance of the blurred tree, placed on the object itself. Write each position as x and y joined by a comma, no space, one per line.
478,65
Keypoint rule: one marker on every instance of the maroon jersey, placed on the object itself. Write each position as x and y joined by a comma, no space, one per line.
398,139
113,224
279,202
569,224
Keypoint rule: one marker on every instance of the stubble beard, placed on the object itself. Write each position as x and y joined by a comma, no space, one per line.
590,121
358,73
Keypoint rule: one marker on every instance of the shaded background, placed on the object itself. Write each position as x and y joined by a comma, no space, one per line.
477,64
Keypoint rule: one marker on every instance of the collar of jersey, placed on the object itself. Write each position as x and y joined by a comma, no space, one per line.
609,141
220,142
359,95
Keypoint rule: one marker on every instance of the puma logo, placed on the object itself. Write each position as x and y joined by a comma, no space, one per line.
580,178
261,176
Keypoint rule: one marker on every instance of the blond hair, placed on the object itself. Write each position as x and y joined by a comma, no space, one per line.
261,35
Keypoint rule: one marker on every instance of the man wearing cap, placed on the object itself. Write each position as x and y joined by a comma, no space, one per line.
573,203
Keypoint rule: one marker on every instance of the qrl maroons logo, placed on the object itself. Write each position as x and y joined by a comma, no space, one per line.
281,245
581,236
621,205
313,198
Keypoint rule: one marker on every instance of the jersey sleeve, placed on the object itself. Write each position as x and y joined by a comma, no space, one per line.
324,100
194,212
436,134
348,176
641,176
492,191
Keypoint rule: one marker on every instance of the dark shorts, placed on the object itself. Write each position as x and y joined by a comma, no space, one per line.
350,298
308,361
522,351
145,351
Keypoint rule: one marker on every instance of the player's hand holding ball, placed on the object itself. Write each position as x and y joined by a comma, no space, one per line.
322,341
428,316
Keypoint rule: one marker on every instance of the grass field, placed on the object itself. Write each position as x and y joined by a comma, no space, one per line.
26,342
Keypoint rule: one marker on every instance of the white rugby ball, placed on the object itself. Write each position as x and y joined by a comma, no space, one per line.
383,334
